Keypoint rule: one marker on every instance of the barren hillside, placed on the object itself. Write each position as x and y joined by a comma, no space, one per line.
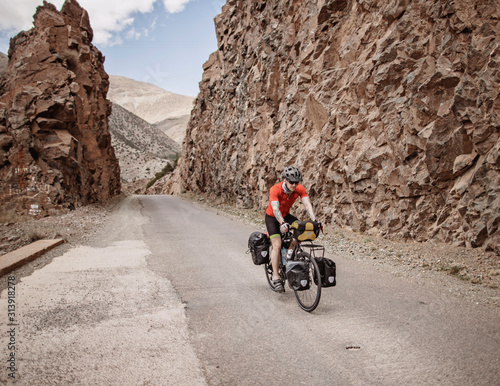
153,104
141,148
175,128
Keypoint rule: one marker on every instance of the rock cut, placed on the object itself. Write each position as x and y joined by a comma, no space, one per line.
390,108
55,144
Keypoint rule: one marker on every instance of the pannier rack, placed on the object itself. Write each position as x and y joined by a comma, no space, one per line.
315,250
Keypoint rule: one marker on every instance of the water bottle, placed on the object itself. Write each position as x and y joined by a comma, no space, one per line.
283,256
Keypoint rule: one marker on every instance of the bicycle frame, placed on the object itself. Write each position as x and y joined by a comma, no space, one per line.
305,251
315,250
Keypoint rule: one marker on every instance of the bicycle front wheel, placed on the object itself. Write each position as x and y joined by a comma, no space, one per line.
309,299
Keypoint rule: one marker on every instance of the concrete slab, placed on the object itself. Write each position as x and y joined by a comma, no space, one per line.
23,255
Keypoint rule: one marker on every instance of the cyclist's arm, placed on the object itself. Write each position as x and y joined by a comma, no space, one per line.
276,211
307,203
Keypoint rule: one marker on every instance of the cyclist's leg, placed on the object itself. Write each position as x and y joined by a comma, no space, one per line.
290,219
273,229
275,255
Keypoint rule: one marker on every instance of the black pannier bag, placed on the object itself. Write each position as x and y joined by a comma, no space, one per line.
328,272
297,274
258,244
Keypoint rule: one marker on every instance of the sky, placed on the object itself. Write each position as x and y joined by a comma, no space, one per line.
164,42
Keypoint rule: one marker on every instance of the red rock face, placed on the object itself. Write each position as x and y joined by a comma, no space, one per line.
390,109
55,145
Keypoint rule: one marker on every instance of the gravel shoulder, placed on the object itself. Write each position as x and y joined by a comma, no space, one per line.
470,273
75,227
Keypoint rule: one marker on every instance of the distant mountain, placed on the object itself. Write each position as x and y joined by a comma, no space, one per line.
140,134
175,128
153,104
4,60
141,148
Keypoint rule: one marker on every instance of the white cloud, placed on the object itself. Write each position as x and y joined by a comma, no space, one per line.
106,17
17,15
174,6
112,16
133,34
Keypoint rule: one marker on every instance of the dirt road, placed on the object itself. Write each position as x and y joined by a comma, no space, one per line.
166,295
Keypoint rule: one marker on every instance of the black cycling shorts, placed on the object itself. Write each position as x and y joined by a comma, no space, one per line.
273,226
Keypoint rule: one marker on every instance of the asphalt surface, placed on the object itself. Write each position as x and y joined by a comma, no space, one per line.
371,329
167,295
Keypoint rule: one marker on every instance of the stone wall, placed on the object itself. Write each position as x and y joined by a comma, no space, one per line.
55,145
390,108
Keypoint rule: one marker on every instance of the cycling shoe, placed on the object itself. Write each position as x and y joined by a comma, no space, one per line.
278,286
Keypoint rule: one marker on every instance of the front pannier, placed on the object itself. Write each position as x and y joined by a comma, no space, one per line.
305,230
297,274
328,272
258,244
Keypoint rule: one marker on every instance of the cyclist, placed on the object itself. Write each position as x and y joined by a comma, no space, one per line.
278,218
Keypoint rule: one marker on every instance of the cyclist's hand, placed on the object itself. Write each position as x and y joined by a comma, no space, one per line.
284,227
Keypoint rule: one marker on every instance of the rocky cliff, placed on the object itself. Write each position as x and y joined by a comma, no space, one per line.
4,60
55,145
390,108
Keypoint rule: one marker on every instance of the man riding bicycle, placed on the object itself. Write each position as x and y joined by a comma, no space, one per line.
278,218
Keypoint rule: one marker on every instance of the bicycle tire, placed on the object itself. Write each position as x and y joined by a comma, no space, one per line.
269,273
309,299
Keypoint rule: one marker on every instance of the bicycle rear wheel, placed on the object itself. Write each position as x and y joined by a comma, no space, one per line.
269,273
309,299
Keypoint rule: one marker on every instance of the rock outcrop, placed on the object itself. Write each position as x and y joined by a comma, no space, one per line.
55,145
4,60
390,108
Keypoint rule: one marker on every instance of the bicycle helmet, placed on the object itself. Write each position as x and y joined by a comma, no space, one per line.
292,174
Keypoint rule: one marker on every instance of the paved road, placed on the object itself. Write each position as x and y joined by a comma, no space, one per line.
245,334
167,296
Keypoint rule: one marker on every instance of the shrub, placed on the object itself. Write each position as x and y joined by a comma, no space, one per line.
169,167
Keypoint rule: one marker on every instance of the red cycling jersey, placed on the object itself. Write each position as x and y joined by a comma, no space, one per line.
276,193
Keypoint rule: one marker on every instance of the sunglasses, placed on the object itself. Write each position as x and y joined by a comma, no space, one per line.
293,183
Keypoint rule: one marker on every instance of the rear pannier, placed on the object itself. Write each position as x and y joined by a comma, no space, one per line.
258,244
328,272
297,274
